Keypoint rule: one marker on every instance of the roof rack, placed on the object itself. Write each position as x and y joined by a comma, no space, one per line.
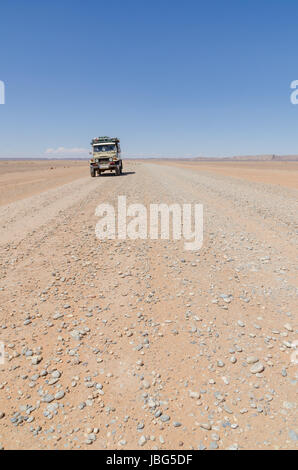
100,140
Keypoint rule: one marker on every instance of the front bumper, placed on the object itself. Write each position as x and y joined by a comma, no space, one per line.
102,166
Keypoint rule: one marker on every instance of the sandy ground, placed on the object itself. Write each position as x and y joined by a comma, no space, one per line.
279,173
20,179
139,343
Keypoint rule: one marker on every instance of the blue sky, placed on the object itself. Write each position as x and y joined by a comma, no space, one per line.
170,78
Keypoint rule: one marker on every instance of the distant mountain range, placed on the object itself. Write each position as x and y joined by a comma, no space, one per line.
254,158
261,158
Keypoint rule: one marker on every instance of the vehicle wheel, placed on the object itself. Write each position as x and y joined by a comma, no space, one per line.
92,172
117,171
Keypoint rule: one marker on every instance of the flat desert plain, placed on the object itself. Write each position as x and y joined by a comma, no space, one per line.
123,344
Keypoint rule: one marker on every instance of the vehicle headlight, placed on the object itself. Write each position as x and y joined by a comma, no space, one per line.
111,159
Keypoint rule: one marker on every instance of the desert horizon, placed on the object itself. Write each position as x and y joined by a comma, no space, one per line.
255,158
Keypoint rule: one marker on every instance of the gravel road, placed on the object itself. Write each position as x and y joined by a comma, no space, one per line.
123,344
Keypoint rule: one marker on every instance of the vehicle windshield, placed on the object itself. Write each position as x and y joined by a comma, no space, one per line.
104,148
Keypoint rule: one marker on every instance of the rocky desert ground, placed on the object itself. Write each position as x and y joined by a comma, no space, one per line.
140,344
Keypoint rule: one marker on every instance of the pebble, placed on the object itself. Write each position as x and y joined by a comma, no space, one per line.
165,418
257,368
293,435
56,374
205,426
48,398
142,441
252,360
288,327
213,445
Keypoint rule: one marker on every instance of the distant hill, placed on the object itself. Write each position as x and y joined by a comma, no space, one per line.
262,158
236,158
243,158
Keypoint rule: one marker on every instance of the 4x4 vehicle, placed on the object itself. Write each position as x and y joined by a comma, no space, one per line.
106,156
